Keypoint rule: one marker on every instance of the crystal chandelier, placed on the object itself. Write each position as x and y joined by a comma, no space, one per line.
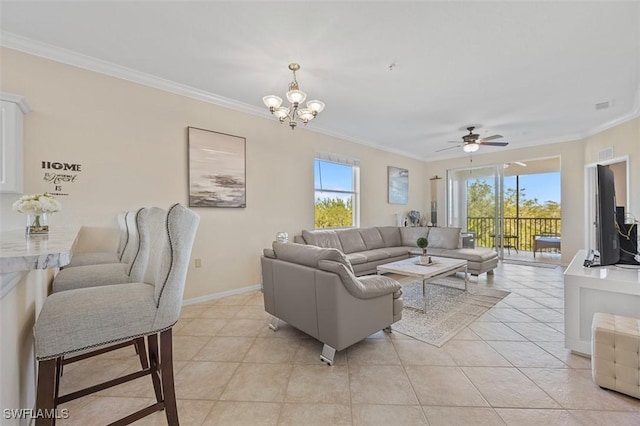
295,97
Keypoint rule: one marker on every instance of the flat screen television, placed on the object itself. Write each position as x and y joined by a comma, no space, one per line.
606,230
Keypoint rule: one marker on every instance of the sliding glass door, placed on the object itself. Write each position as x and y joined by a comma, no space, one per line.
475,204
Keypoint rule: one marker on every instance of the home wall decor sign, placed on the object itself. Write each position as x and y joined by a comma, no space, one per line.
59,174
217,169
398,185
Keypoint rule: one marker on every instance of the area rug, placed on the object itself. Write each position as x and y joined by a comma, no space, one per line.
536,264
449,308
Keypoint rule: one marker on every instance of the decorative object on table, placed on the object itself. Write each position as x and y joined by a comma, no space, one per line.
295,97
217,173
37,207
398,185
400,219
434,200
414,216
282,237
423,243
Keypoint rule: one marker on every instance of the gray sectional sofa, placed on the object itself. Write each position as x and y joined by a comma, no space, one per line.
366,248
315,290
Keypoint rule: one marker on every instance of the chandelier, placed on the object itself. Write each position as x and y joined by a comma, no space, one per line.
295,97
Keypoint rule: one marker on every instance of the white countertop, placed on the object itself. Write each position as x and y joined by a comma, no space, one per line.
19,252
612,273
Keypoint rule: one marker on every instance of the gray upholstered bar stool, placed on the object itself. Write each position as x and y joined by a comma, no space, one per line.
98,258
108,273
86,318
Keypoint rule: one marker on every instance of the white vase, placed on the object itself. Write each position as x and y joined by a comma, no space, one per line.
425,260
37,224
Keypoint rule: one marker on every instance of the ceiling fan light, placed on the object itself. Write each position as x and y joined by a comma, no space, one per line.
315,106
296,96
470,147
272,101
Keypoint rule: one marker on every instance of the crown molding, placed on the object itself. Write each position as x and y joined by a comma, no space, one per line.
69,57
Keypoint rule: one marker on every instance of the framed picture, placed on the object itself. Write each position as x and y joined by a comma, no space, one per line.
398,185
217,169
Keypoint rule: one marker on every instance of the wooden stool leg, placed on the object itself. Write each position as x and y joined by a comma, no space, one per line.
45,394
142,352
154,359
166,357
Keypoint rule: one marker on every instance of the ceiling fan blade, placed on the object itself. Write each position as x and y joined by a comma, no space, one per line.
494,143
520,163
490,138
451,147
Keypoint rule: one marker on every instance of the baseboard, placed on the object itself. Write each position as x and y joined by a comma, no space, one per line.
220,295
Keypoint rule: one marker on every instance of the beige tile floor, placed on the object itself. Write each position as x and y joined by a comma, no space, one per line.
508,367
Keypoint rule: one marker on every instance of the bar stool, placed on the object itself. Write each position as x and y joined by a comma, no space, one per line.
108,273
88,318
98,258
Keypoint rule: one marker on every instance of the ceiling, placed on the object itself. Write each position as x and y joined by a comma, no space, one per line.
530,71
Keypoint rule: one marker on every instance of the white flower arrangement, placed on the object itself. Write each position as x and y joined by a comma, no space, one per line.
37,204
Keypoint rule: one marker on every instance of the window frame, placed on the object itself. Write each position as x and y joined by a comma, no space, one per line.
355,194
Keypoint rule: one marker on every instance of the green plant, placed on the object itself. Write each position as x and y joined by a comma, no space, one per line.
423,243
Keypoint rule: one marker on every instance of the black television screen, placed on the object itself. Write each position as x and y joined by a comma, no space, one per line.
607,233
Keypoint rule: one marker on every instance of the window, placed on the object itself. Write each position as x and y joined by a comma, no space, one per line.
336,192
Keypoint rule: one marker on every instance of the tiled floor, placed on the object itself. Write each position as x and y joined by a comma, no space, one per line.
508,367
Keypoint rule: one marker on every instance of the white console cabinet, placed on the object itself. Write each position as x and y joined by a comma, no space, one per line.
12,110
609,289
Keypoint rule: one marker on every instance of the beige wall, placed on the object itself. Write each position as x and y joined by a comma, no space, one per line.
131,141
574,155
571,168
625,141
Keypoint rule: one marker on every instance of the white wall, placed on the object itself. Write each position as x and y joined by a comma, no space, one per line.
131,142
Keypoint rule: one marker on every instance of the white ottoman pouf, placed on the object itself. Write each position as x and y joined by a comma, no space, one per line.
615,353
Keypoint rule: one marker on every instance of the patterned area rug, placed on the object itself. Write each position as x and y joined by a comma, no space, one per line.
449,308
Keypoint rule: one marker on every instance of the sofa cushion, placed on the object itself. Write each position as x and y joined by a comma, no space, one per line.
308,255
322,238
356,258
472,255
390,235
445,238
364,287
396,251
351,240
373,255
372,238
410,235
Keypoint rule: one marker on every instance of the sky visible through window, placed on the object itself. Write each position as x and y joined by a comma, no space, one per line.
333,177
543,186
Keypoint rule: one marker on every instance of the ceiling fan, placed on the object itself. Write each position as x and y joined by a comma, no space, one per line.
472,141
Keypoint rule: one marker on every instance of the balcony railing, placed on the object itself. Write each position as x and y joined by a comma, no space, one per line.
519,231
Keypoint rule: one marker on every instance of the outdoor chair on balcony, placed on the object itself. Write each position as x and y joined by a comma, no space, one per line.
546,241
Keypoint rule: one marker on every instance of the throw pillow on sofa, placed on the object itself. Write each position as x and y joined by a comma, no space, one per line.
411,234
444,238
